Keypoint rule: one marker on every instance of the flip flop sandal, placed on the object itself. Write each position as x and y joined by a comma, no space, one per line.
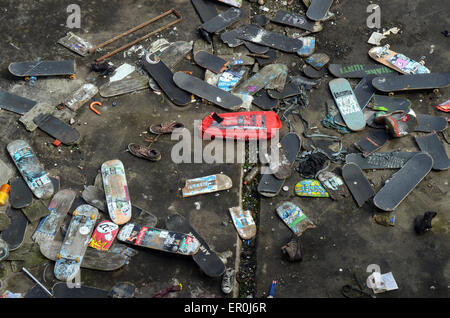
165,128
144,152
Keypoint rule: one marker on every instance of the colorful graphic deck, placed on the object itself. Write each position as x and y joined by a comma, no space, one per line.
311,188
243,222
116,191
294,218
205,185
397,61
29,167
333,184
104,235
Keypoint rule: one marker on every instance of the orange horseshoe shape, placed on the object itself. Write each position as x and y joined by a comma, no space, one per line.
93,109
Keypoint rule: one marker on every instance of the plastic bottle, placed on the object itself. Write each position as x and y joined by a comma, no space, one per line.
4,192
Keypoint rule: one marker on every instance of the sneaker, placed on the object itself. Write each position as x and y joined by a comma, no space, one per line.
292,250
144,152
165,128
228,281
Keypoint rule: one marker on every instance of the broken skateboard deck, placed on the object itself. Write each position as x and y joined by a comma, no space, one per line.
357,183
59,207
396,61
311,188
403,182
211,62
374,141
205,185
411,82
311,72
164,78
16,104
104,235
309,46
75,242
213,94
390,104
269,185
29,167
162,240
57,129
428,123
205,258
380,160
42,68
229,79
294,20
205,9
347,104
116,191
115,258
434,147
264,101
222,20
318,9
243,222
132,83
318,60
294,218
20,195
333,184
75,44
272,76
80,97
358,70
14,235
364,91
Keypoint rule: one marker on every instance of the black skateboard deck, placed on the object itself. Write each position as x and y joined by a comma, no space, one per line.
255,34
211,62
61,290
294,20
57,129
374,141
318,9
269,185
390,104
364,91
272,56
205,9
306,82
16,104
164,77
223,20
411,82
20,195
256,48
291,89
42,68
434,147
122,290
36,292
264,101
14,235
311,72
380,160
206,259
428,123
231,38
358,70
357,183
211,93
403,182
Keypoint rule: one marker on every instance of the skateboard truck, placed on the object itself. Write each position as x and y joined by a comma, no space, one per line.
93,108
176,13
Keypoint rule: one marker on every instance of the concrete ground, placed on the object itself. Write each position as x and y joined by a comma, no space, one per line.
345,238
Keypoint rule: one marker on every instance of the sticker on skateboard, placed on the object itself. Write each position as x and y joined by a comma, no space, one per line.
42,68
396,61
16,104
29,167
390,104
205,185
163,240
243,222
294,218
14,235
57,129
116,191
311,188
309,46
75,242
205,258
358,70
380,160
411,82
403,182
318,9
104,235
357,183
229,79
434,147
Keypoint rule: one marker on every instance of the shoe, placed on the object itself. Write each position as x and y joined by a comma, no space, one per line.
292,250
401,124
165,128
144,152
228,281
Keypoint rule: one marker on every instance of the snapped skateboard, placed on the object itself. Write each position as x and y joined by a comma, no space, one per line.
428,123
264,101
311,188
116,191
397,61
29,167
162,240
213,94
364,91
357,183
80,97
14,235
243,222
334,185
318,9
309,46
20,195
269,185
311,72
131,83
16,104
403,182
380,160
95,197
358,70
408,82
57,129
434,147
267,58
59,207
204,185
205,9
172,55
347,104
164,78
104,235
75,44
291,89
294,20
371,143
229,79
272,76
205,258
390,104
256,48
43,68
75,242
318,60
294,218
222,20
211,62
115,258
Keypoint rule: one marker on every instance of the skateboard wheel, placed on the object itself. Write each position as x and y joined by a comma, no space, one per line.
422,62
58,256
27,78
77,260
75,213
388,46
92,216
72,77
436,90
391,93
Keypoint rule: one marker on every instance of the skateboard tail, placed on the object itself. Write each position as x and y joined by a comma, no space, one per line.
66,270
